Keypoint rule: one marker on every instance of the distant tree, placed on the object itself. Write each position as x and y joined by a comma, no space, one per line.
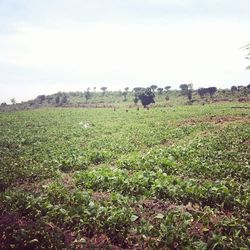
240,88
3,104
13,101
160,91
247,90
125,93
233,89
153,87
244,90
103,89
57,99
190,94
136,99
63,99
41,98
146,97
186,90
138,89
202,92
211,91
50,99
87,94
167,88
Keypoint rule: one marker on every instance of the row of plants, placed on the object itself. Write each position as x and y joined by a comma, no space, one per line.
59,219
222,155
227,194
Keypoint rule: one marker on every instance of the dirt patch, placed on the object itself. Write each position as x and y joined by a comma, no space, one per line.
201,230
7,219
246,142
148,209
217,218
101,241
215,120
67,181
35,187
19,223
167,142
156,206
98,196
198,229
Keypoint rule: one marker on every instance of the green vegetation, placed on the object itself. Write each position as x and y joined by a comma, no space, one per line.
168,177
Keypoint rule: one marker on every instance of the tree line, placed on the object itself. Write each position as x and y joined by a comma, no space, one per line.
144,95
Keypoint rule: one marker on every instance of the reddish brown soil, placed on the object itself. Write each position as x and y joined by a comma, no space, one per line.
215,119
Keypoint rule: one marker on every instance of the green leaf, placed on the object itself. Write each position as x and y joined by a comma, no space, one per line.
91,204
159,216
134,217
63,211
8,198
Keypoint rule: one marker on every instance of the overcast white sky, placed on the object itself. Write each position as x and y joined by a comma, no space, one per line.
48,46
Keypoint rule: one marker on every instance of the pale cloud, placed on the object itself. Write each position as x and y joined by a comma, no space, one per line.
144,49
72,54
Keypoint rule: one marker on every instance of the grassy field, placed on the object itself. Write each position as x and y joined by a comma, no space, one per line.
164,178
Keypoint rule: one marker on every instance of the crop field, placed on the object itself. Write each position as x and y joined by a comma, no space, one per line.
163,178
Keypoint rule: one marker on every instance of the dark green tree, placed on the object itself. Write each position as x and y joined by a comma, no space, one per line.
233,89
186,90
57,100
13,101
167,88
138,89
153,87
103,89
202,92
211,91
160,91
87,94
146,97
136,99
41,98
3,104
125,93
63,99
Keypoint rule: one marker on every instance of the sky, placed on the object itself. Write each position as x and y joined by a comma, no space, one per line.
69,45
